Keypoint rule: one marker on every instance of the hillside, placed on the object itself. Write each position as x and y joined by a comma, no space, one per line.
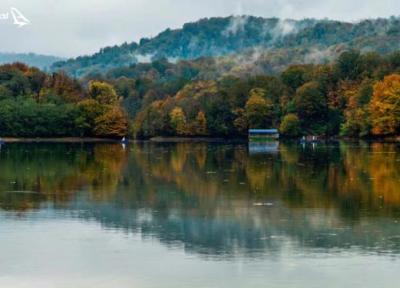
246,40
31,59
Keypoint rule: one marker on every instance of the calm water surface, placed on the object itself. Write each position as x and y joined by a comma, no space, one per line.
199,215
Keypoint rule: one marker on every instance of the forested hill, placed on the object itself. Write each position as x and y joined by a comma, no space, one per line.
303,41
31,59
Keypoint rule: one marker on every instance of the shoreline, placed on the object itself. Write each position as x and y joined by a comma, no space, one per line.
195,139
6,140
58,140
111,140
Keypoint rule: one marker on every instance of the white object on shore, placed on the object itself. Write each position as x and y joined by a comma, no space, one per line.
264,204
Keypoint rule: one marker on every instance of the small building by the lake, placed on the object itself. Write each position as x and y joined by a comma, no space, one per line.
263,134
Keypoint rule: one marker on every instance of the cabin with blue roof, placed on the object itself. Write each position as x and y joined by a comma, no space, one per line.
263,134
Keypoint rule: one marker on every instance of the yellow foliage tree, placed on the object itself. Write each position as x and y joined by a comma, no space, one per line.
103,92
201,124
385,106
259,111
178,121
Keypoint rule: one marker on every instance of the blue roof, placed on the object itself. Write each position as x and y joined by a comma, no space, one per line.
263,131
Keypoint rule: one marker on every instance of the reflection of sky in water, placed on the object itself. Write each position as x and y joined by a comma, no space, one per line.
72,253
199,216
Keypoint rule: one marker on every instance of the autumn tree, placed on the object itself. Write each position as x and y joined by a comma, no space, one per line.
259,111
385,106
241,124
113,123
178,121
103,93
37,81
357,112
290,126
60,85
201,124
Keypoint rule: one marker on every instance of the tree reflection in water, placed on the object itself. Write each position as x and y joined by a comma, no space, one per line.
216,200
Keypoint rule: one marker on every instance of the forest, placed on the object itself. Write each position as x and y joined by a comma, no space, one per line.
36,104
357,95
268,44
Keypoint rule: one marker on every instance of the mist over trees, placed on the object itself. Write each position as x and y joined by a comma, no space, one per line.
251,44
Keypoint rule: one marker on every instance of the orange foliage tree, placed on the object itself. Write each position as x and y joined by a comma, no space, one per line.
113,123
385,106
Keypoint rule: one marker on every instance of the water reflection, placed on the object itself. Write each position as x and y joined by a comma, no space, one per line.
216,200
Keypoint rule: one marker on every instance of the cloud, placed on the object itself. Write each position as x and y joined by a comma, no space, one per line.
236,25
320,56
144,58
76,27
283,28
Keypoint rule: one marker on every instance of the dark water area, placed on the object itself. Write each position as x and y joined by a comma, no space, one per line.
199,215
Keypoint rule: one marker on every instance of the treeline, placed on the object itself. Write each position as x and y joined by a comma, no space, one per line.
357,96
36,104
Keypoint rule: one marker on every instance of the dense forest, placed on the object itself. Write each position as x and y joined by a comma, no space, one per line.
358,95
36,104
272,44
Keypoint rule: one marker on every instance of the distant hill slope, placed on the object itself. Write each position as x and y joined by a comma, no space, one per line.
215,37
31,59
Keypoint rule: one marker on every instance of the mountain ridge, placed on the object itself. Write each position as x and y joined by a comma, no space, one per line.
235,35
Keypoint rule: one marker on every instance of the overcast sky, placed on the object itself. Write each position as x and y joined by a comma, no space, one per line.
76,27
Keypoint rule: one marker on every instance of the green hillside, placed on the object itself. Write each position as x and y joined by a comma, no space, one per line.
247,40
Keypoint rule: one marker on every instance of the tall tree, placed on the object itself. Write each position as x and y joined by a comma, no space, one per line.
178,121
259,111
385,106
103,92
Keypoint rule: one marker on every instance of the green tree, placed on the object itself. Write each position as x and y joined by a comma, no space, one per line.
5,93
311,106
90,111
290,126
295,76
349,65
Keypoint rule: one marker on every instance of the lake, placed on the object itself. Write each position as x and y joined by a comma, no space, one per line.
200,215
